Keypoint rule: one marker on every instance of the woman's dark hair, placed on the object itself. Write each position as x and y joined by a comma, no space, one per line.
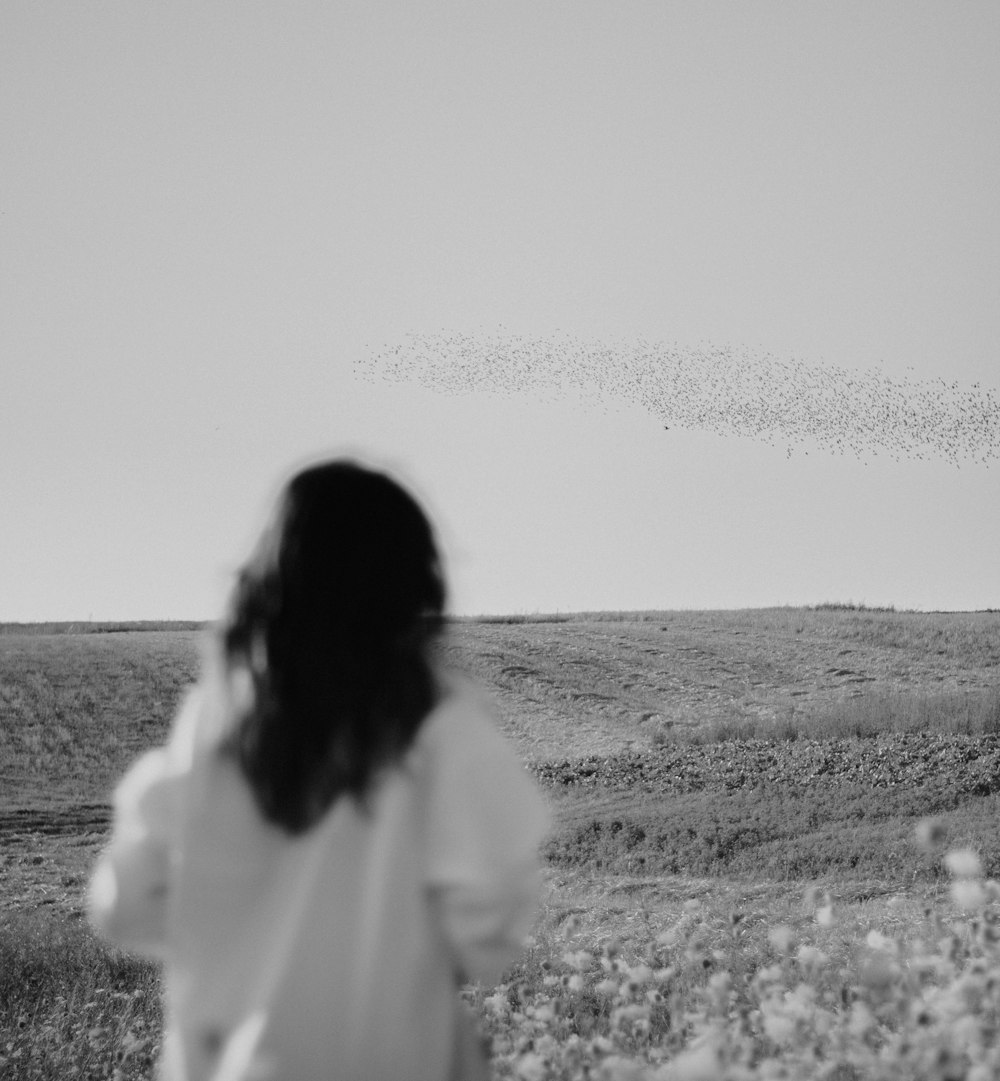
333,617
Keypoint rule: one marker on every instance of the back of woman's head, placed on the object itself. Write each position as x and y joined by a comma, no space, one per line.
333,617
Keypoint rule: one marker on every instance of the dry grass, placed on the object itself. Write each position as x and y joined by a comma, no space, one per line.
69,1007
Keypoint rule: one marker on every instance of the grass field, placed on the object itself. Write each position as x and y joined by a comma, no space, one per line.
735,886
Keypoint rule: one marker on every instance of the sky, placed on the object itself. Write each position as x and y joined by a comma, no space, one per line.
238,237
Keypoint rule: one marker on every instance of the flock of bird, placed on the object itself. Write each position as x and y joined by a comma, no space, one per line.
732,392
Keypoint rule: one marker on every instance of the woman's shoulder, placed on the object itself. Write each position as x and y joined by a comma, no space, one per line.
483,803
457,689
461,702
464,725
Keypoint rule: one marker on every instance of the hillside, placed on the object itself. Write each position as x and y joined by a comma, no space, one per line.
628,723
601,685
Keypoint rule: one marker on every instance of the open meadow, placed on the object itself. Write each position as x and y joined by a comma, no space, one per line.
774,839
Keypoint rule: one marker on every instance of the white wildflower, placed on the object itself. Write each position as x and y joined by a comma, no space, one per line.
769,974
862,1021
779,1026
630,1014
530,1067
782,938
544,1012
497,1003
930,832
571,926
638,975
578,959
877,941
809,957
699,1063
963,863
825,916
969,894
618,1068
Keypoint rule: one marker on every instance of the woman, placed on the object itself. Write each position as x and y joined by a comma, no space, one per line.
335,834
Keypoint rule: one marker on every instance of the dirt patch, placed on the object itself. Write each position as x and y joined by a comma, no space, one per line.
46,856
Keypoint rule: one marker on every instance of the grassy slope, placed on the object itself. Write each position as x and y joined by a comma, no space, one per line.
601,686
74,709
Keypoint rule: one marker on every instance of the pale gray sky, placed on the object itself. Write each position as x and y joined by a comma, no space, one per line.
212,215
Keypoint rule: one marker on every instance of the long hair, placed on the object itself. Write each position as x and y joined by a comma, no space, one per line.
333,617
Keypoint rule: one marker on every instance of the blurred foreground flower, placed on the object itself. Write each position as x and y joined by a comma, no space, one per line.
930,833
782,938
969,894
963,863
696,1064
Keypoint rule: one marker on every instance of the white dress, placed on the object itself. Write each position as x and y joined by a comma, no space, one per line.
331,955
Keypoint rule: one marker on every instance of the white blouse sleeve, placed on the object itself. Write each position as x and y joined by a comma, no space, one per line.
485,824
129,889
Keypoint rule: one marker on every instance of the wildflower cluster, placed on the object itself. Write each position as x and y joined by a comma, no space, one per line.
707,1001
